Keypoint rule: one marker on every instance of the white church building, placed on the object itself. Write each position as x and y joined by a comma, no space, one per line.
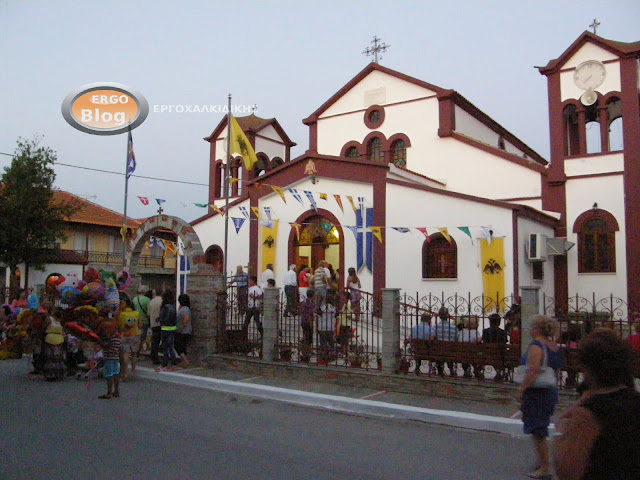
399,181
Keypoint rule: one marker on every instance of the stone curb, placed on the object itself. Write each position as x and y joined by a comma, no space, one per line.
356,406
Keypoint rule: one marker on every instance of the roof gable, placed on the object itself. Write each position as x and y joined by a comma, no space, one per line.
620,49
251,124
372,67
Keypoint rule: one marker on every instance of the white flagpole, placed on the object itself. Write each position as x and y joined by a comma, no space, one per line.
123,233
226,194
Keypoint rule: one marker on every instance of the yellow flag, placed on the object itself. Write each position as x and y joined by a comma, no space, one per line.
376,233
256,212
240,145
492,265
216,209
323,196
279,191
170,246
445,233
234,180
296,226
269,237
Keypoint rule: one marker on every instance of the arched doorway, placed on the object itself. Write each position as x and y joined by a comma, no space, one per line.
215,256
320,238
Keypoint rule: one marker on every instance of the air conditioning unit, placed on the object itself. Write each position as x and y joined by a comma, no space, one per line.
536,247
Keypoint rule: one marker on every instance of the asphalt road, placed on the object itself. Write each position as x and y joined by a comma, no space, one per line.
158,431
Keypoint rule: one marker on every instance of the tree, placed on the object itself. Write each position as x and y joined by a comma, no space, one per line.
32,222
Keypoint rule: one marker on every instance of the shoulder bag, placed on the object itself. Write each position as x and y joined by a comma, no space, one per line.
546,378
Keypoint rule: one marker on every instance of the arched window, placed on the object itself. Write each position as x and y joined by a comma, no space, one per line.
219,175
237,171
215,256
352,152
374,150
596,241
399,153
276,162
439,257
614,112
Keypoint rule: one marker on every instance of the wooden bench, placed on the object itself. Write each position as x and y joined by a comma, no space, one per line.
503,357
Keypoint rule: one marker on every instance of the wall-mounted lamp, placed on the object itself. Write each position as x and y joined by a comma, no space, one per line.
595,207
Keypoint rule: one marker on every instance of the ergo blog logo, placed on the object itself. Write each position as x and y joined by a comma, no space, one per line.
104,108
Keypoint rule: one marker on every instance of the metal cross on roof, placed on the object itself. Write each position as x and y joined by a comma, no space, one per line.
594,25
377,48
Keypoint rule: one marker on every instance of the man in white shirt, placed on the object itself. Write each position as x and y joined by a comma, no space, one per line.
321,278
154,314
254,306
290,287
266,275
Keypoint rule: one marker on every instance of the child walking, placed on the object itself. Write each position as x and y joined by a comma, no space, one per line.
112,346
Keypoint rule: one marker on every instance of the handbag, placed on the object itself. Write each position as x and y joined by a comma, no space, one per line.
546,378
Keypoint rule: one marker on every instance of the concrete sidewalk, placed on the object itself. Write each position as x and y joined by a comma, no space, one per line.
496,416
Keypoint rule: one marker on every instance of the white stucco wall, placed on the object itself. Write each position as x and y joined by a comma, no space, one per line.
412,208
527,226
594,164
607,192
470,126
270,147
589,51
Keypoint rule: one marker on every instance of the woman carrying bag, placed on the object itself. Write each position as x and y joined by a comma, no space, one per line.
538,392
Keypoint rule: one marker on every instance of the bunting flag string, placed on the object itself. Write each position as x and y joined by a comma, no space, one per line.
353,229
256,212
144,200
402,229
279,191
353,205
323,196
160,201
296,227
267,212
467,231
376,233
424,232
445,233
245,212
218,210
296,195
339,202
201,205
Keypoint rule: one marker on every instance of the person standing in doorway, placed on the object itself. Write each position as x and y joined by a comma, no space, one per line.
266,275
290,287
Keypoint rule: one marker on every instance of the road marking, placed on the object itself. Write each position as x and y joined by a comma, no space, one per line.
373,395
250,379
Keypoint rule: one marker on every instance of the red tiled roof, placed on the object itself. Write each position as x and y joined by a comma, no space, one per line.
91,213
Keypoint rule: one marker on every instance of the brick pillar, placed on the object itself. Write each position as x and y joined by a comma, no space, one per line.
390,329
203,287
530,308
270,298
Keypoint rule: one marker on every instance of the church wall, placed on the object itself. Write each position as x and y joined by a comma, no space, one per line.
533,203
589,51
527,226
594,164
377,88
221,147
271,133
407,207
211,232
270,148
467,125
607,192
292,210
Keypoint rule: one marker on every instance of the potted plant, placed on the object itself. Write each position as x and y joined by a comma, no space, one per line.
357,355
305,351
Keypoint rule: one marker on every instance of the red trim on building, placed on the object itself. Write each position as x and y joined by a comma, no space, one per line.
595,175
367,121
516,252
600,214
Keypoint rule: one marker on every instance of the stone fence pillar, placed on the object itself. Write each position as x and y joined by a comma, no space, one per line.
530,308
203,288
390,329
270,305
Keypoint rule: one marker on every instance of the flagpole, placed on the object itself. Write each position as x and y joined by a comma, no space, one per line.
226,193
123,232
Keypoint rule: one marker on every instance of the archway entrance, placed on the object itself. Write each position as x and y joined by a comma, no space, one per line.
321,238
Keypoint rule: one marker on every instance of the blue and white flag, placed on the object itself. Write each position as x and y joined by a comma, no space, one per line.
131,158
267,212
364,237
296,195
402,229
245,212
160,201
312,200
237,222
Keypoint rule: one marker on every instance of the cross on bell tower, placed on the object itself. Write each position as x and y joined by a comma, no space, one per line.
594,25
376,48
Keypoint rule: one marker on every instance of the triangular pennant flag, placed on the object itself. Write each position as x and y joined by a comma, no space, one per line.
279,191
144,200
296,227
445,233
353,229
160,243
424,232
402,229
339,202
244,211
487,233
170,246
233,180
201,205
467,231
353,205
312,201
266,223
123,233
323,196
267,212
296,195
256,212
160,201
146,244
216,209
376,233
237,222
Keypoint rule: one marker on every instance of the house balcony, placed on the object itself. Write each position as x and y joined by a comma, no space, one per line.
84,257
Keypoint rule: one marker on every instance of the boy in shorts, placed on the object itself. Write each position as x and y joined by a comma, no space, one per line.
112,349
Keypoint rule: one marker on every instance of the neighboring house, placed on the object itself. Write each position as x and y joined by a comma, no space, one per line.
94,239
403,180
